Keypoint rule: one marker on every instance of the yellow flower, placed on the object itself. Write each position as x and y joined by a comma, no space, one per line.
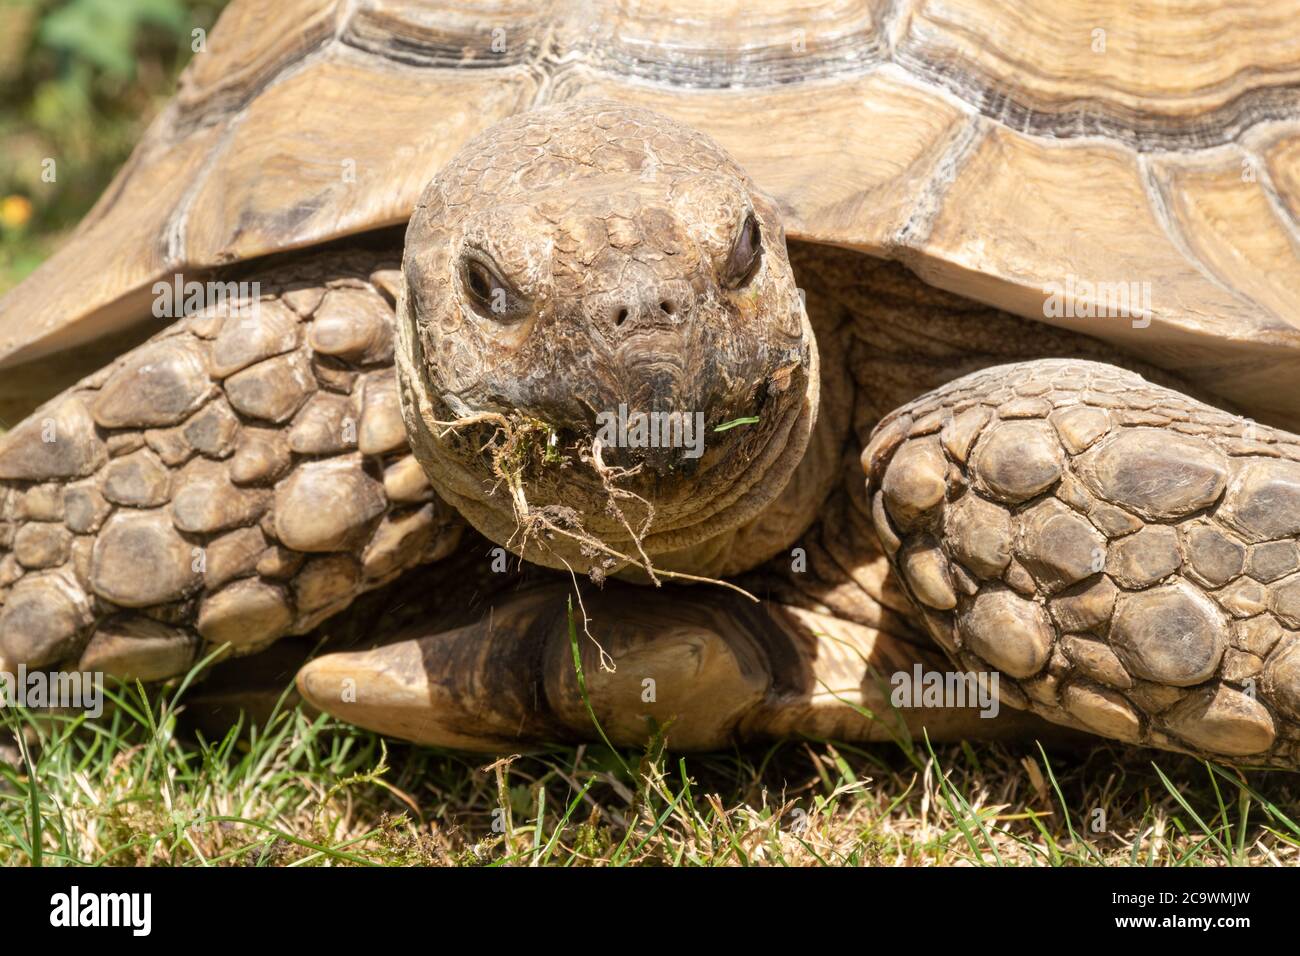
15,211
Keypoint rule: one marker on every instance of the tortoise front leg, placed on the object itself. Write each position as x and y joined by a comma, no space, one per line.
713,668
1124,556
242,476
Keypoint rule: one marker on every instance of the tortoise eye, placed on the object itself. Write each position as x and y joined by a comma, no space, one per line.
745,255
491,296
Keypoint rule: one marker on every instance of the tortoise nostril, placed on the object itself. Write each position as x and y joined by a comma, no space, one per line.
653,306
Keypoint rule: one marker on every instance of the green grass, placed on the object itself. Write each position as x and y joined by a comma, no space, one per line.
136,788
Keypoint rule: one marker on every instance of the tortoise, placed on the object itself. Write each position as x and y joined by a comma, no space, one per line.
836,347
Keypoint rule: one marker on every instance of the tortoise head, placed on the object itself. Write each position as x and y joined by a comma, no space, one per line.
600,332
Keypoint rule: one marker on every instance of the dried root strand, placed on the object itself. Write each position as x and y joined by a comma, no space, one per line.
509,447
608,476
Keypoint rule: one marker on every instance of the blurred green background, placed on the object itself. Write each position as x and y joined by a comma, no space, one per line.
79,82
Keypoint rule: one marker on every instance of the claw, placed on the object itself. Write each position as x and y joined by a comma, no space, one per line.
467,689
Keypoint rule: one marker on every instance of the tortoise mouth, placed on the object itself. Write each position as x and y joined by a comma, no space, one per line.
657,420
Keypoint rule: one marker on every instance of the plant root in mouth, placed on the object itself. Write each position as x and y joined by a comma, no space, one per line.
512,448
